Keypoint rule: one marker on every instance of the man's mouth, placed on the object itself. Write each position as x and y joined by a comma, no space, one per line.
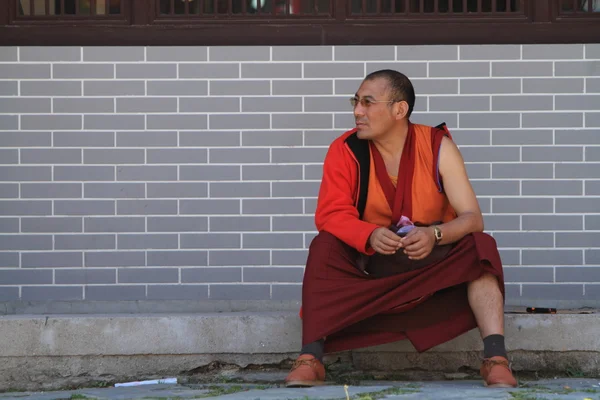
360,123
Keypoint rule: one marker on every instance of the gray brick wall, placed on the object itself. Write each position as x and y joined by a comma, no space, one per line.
192,173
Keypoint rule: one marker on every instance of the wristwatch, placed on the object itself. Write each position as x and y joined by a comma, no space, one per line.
437,232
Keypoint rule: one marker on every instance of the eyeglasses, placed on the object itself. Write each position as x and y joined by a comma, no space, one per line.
365,102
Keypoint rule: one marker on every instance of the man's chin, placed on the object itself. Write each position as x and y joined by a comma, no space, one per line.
362,133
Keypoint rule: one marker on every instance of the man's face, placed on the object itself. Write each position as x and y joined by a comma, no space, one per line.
374,110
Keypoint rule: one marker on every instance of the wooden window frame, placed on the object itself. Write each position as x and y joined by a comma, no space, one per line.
541,23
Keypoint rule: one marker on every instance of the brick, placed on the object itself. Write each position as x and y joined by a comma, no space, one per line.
429,118
239,257
51,224
177,224
298,155
210,241
577,102
296,189
592,188
146,173
496,187
320,138
25,277
273,274
426,53
552,51
410,69
176,156
592,119
466,69
592,154
56,259
181,87
51,53
103,122
459,103
176,190
147,275
83,139
524,239
114,190
241,156
115,293
50,156
9,260
239,292
116,88
146,207
177,121
272,104
50,122
553,85
529,274
82,71
12,53
25,71
552,222
271,138
147,139
239,189
300,223
578,170
555,153
146,71
114,224
84,173
502,222
9,156
490,120
578,274
310,206
84,242
302,87
490,154
9,88
577,239
286,292
432,86
177,292
592,85
552,187
115,259
522,103
522,205
239,224
302,121
592,256
349,86
479,171
521,68
24,105
208,207
36,293
240,88
51,190
485,52
516,171
290,257
272,206
554,292
592,50
211,104
210,139
552,257
26,242
146,105
270,241
9,293
239,53
113,53
25,207
9,190
302,53
271,70
177,258
323,104
576,68
9,225
9,122
209,173
271,172
211,275
84,207
207,71
239,121
592,222
177,53
334,70
85,276
361,53
522,137
313,172
83,105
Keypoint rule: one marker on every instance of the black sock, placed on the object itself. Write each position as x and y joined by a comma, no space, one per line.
493,345
314,348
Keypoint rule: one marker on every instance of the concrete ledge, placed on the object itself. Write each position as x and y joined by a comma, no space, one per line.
35,350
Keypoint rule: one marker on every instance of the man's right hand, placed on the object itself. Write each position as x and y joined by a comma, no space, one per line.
384,241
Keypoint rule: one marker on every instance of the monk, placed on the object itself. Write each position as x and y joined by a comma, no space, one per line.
400,252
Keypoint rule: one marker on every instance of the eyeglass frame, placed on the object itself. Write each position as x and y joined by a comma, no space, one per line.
354,101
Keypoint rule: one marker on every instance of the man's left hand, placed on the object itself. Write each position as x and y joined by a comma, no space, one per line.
419,242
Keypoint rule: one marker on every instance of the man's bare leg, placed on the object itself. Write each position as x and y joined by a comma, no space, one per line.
487,304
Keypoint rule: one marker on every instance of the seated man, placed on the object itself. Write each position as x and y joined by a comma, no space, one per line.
367,281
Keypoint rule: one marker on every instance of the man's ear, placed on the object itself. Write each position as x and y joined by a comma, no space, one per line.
401,109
